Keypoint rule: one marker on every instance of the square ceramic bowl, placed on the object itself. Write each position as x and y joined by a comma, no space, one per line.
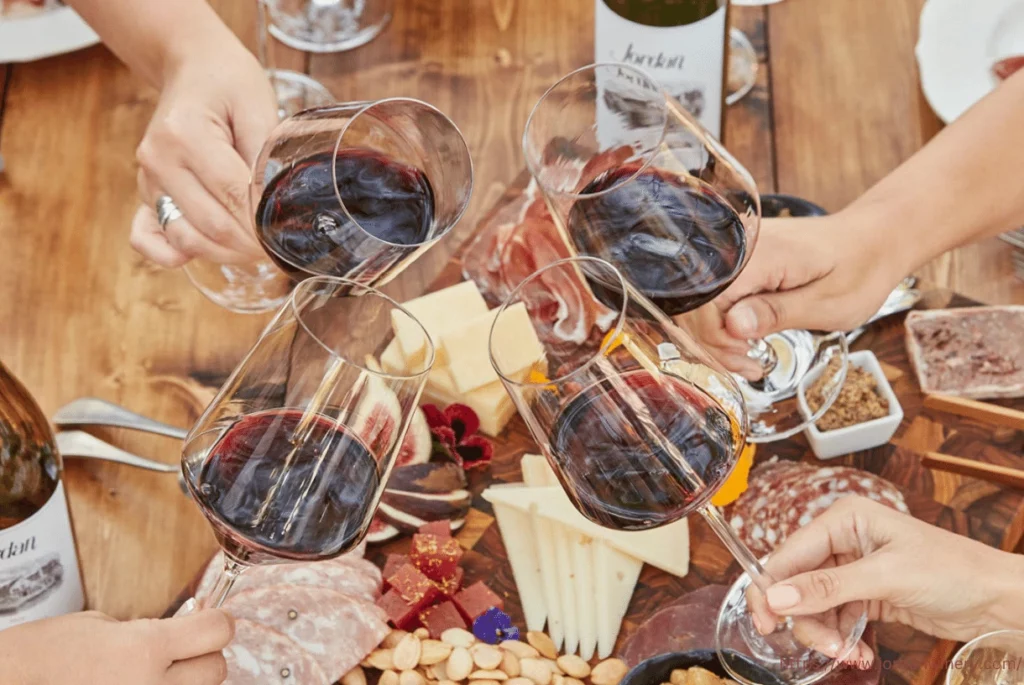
862,436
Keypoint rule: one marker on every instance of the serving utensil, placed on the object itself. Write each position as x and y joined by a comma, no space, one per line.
973,409
994,473
83,445
903,297
92,411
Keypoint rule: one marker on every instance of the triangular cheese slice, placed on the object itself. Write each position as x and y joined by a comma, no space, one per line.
544,536
516,529
614,589
586,596
564,537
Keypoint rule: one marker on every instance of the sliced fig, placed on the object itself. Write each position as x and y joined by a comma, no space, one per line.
380,531
406,522
377,416
430,507
417,444
430,478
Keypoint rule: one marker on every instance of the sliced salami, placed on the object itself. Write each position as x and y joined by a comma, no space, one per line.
337,630
784,496
262,656
350,575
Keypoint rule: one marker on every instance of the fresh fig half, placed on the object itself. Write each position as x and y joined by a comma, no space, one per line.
431,478
381,531
377,416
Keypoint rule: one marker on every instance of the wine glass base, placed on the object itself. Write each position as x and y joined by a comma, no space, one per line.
335,29
742,68
738,643
244,289
772,401
297,92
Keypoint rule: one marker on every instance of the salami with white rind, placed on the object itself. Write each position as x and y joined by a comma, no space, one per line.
261,656
337,630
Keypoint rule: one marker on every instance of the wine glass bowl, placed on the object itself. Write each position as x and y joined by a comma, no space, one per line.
328,25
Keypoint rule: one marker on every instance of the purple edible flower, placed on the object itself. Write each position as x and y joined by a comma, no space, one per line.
494,626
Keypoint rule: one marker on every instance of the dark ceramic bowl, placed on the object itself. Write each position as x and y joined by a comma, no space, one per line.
658,669
774,205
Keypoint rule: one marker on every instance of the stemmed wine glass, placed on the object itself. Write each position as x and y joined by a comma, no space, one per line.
328,25
991,659
356,190
631,177
642,426
290,458
295,91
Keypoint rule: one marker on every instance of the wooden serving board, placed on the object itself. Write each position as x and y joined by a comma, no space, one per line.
984,511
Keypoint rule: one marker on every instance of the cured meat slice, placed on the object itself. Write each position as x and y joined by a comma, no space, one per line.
350,575
1005,68
784,496
337,630
262,656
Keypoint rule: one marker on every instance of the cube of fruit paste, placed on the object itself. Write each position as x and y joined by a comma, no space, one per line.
449,586
475,600
414,587
435,556
399,612
440,528
440,618
391,566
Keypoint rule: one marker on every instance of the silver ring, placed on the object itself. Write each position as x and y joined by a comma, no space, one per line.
166,211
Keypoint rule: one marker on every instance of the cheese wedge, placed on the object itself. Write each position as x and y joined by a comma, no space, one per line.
666,548
491,403
613,587
536,471
544,536
564,538
517,533
468,347
391,359
585,569
438,312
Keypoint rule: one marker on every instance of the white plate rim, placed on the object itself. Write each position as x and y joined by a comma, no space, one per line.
55,32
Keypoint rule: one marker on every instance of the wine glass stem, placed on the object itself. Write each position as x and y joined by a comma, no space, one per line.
228,575
764,354
263,51
761,578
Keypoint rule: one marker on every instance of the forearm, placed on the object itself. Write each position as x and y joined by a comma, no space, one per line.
1008,575
153,36
964,185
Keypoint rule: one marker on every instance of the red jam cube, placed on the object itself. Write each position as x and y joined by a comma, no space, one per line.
399,612
435,556
449,586
475,600
440,528
440,618
414,587
391,566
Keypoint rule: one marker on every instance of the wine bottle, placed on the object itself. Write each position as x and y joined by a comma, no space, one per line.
680,43
39,571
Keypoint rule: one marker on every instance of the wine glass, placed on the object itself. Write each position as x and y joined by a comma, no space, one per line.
328,25
290,458
631,177
355,190
642,426
992,659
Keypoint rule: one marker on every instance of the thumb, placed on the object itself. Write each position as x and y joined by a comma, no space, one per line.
756,316
827,588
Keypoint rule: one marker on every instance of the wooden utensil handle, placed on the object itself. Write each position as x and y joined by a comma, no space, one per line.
972,409
975,469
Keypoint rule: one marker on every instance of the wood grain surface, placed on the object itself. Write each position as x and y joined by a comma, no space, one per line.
836,107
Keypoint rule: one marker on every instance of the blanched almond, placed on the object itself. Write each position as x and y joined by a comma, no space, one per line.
679,676
608,672
573,665
488,674
536,670
571,681
392,639
421,633
447,682
457,637
510,664
388,677
520,649
460,664
486,656
542,643
557,678
354,677
486,682
438,671
407,654
411,678
519,681
555,668
434,652
381,659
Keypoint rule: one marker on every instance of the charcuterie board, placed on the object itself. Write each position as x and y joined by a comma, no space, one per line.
984,511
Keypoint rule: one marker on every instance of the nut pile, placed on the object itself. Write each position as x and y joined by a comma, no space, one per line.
695,675
859,399
459,658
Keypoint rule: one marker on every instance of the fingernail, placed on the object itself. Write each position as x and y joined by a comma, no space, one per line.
757,624
744,320
784,596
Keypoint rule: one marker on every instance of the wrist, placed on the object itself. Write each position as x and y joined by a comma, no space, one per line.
205,42
1007,611
888,245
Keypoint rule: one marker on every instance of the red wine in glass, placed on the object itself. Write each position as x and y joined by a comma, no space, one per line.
297,488
622,474
674,238
388,206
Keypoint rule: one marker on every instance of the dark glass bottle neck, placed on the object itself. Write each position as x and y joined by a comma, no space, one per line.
664,13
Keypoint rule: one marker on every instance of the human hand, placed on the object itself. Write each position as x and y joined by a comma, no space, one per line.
904,569
89,648
216,109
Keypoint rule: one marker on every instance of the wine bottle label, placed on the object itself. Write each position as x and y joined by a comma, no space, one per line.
687,61
39,575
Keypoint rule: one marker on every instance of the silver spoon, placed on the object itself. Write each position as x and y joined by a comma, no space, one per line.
93,411
81,444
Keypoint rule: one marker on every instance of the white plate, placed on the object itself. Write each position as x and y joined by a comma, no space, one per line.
44,34
959,42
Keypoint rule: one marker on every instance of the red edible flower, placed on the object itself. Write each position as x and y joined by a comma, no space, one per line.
455,431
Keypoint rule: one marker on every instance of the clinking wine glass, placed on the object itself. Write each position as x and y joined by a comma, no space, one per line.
631,177
355,190
642,426
290,458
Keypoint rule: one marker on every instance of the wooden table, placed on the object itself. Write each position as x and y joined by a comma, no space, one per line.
836,107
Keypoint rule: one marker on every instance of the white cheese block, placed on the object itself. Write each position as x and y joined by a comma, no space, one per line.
543,531
468,347
585,569
564,538
517,533
491,403
667,547
536,471
437,312
391,359
613,587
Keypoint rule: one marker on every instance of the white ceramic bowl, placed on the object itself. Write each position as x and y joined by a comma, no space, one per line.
862,436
